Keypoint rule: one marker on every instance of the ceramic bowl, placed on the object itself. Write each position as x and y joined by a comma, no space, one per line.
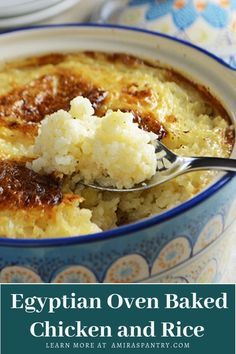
189,243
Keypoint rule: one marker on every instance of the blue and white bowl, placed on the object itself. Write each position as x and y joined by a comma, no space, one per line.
189,243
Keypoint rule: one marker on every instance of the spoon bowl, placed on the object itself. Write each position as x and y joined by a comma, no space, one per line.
170,165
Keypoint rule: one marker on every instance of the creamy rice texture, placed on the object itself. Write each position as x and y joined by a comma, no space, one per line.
111,150
184,116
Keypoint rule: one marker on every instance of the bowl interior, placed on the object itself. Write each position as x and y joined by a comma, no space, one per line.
185,58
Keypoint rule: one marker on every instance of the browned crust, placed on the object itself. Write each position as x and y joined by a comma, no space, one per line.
30,129
130,61
34,62
171,118
135,95
126,59
230,136
51,58
44,96
22,188
172,75
133,91
149,123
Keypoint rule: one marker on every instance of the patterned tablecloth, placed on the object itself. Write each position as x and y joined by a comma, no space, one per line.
211,24
208,23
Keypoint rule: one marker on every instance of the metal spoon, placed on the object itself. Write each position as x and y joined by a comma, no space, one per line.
170,166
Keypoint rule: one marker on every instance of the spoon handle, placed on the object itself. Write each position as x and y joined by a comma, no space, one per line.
209,163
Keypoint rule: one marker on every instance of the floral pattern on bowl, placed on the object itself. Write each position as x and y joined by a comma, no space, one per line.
206,267
211,231
127,269
19,274
173,264
74,274
173,253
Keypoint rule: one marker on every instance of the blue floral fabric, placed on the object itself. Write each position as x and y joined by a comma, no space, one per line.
214,19
185,12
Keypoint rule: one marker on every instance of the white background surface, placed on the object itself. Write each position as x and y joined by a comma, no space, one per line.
80,13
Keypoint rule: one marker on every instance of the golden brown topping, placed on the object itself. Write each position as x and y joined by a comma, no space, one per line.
53,58
34,62
149,123
23,188
171,119
125,59
28,128
139,94
46,95
230,136
90,54
28,103
97,98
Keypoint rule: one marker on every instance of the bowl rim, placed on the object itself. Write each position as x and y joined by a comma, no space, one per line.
125,230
